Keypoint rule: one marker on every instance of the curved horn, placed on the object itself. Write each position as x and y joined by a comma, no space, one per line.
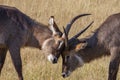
66,38
78,34
72,21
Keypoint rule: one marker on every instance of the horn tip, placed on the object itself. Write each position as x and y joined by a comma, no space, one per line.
88,14
51,16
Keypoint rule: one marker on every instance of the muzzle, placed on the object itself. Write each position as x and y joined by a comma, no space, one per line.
52,58
66,74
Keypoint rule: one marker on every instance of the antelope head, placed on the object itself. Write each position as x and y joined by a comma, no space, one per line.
52,45
71,61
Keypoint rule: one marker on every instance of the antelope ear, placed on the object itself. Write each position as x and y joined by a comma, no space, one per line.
53,27
80,46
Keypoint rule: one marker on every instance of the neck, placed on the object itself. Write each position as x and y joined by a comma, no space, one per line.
38,35
93,51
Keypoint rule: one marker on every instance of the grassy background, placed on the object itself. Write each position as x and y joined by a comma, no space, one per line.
35,65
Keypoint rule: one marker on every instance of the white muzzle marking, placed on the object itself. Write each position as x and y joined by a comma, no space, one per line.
51,57
66,74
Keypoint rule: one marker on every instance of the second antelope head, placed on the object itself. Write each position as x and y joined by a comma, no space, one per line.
71,61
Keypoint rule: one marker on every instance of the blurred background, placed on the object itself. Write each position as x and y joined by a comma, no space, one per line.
35,65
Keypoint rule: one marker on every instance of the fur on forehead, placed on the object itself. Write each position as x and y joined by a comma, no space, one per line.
69,53
57,34
58,38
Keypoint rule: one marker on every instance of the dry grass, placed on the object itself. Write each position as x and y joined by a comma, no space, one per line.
35,66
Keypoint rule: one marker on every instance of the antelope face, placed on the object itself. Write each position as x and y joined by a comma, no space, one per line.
70,63
71,60
52,50
52,46
72,57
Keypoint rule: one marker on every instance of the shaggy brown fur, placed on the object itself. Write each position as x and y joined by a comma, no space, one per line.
18,30
105,41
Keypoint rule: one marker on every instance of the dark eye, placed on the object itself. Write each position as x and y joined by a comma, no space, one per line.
67,57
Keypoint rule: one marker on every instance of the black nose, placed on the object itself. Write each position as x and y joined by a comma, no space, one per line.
55,60
63,75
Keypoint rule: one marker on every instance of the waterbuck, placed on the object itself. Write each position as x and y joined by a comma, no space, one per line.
18,30
104,41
